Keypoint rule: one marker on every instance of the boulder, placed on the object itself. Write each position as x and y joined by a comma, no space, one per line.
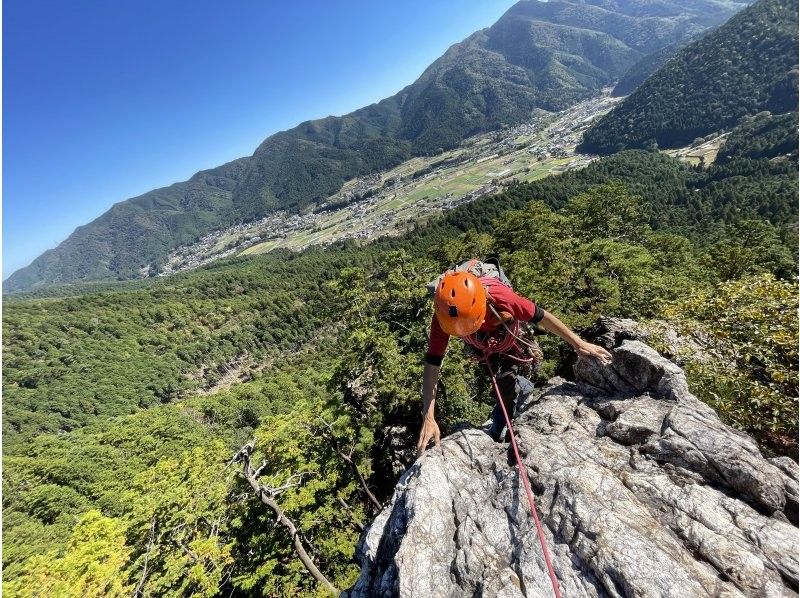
641,489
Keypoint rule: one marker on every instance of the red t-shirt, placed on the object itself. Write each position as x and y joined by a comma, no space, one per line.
504,299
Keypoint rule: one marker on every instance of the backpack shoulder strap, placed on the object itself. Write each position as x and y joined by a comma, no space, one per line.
494,261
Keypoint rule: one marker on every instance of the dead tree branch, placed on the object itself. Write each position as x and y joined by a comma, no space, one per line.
267,496
348,458
150,541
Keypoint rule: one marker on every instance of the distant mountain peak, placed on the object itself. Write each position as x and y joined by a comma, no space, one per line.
538,55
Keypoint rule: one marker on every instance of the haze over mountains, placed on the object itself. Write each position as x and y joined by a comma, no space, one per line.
538,56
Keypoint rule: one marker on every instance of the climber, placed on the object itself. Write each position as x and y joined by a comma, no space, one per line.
475,301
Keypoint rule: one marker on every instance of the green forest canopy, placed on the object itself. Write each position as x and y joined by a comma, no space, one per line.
112,460
747,65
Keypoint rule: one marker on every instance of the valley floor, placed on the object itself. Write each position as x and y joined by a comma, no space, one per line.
389,202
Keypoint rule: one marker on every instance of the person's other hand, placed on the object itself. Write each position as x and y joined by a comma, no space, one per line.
594,351
429,431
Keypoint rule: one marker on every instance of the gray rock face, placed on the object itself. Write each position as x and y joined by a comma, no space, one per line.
641,489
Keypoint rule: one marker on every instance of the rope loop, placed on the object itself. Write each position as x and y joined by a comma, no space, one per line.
505,341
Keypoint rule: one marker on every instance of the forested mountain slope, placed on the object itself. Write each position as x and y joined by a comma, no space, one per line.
113,458
537,56
648,65
747,65
69,360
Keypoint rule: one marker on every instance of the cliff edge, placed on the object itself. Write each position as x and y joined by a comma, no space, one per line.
642,491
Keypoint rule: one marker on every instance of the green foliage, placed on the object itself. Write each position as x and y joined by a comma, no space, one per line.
381,371
50,502
692,202
648,65
746,66
762,136
751,246
177,512
468,245
326,346
162,476
537,56
92,564
597,256
70,360
743,360
300,453
608,211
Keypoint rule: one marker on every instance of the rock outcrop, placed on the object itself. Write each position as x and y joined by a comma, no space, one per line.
642,491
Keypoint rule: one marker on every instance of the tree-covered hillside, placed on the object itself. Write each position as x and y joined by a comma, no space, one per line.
176,335
71,360
648,65
118,473
762,136
537,56
746,66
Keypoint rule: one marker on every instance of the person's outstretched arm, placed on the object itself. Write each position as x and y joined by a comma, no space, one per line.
584,349
430,429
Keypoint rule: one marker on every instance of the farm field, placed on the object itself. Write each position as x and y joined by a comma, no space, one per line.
386,203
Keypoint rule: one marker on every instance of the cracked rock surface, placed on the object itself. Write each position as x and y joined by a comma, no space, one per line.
642,491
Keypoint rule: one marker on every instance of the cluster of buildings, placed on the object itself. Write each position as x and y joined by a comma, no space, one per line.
366,229
566,132
207,249
362,187
546,136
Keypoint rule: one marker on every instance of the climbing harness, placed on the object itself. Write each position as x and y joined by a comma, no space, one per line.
523,474
507,344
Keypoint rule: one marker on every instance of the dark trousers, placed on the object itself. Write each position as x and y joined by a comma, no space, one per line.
513,380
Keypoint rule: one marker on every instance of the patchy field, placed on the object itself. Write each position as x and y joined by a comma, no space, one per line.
386,203
702,153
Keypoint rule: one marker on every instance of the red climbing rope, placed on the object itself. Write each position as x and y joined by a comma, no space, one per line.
506,342
523,474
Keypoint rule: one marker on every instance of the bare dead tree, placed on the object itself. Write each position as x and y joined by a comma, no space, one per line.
150,541
268,495
347,457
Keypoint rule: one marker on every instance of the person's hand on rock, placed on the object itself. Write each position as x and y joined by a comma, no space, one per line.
430,431
585,350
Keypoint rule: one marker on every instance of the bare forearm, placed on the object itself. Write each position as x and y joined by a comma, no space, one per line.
583,348
430,429
429,379
555,326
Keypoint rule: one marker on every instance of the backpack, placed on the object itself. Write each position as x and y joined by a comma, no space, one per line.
527,348
489,268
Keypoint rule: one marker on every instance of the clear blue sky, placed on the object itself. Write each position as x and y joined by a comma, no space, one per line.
106,99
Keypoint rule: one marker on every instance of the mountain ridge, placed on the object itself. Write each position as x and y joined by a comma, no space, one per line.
497,76
747,65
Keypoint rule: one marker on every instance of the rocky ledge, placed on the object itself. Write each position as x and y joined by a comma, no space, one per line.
642,491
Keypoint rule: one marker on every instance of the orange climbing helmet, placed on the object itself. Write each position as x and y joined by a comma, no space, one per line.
460,303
